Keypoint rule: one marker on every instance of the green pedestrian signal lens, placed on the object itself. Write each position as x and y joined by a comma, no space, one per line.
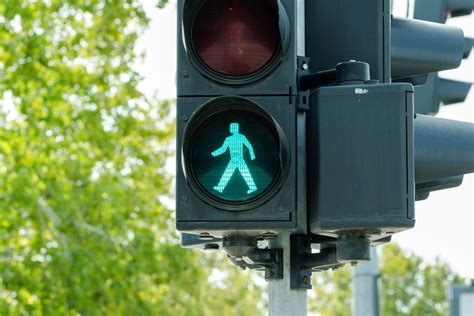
235,158
235,145
234,154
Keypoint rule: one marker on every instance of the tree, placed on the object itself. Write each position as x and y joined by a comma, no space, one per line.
412,286
332,294
162,3
83,224
409,286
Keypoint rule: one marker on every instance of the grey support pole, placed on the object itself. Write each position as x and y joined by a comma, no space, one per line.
284,301
365,287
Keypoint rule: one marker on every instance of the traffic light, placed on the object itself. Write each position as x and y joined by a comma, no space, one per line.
361,140
266,86
360,131
240,123
437,91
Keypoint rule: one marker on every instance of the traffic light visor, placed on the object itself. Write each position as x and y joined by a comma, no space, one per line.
234,156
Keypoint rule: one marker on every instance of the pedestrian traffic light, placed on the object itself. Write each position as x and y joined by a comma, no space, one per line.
251,112
240,118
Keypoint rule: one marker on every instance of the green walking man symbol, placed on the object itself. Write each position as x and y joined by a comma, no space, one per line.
235,143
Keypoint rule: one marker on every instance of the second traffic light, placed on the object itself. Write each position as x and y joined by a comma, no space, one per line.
360,143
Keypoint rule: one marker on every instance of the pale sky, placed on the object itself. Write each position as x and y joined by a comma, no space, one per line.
444,222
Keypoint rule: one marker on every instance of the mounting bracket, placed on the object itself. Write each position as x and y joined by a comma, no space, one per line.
303,262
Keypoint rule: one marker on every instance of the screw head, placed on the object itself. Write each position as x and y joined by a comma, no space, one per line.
304,66
305,280
185,74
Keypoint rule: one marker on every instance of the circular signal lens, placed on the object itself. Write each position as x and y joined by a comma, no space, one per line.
235,157
236,37
234,153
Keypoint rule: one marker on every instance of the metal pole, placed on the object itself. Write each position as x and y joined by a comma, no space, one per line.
284,301
365,287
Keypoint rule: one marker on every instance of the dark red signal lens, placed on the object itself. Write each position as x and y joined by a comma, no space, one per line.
236,37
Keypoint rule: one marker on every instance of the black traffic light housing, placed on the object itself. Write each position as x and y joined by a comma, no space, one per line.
219,79
364,173
360,150
343,30
369,188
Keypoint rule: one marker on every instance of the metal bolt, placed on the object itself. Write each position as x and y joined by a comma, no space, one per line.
184,118
304,66
184,198
185,74
305,279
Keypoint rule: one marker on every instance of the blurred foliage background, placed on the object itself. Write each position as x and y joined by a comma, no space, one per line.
408,285
84,227
82,173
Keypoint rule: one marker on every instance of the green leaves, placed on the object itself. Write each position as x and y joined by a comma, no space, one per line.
82,158
413,286
409,286
162,3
